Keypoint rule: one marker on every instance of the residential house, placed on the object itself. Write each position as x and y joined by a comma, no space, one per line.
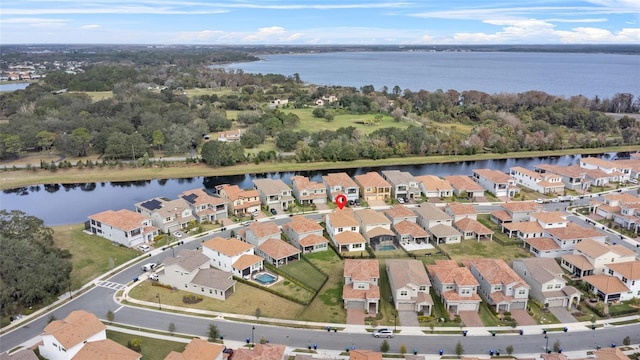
240,201
308,192
590,257
438,223
274,193
464,187
547,283
66,339
610,354
259,232
517,211
259,351
612,205
198,349
375,227
410,233
567,237
496,182
403,184
607,288
278,252
232,255
341,184
544,183
473,229
629,216
434,187
399,213
575,177
544,247
373,187
361,285
123,227
459,211
444,234
629,273
355,354
344,231
410,285
634,164
306,234
455,285
190,271
230,136
167,215
536,226
204,206
500,286
22,354
616,171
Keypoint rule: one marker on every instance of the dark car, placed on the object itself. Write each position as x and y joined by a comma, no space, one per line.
274,212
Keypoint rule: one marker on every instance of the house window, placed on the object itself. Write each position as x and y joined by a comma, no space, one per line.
610,272
211,291
465,291
403,293
353,228
340,229
422,288
558,286
550,287
522,292
624,279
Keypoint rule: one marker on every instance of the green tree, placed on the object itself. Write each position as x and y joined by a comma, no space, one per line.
509,350
287,140
217,153
172,328
459,349
384,347
10,145
45,139
214,333
626,341
403,349
158,138
81,138
110,316
556,346
135,345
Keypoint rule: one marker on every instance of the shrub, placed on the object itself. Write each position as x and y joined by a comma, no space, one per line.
384,347
191,299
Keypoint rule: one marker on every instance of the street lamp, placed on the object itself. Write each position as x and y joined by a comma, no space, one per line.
546,347
159,303
395,321
252,329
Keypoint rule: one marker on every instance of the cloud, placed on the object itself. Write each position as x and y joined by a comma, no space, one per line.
90,26
35,22
267,34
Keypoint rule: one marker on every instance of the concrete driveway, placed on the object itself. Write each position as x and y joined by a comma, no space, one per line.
470,319
355,316
408,318
562,314
523,318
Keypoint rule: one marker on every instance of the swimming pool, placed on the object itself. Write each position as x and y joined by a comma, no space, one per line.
265,278
385,247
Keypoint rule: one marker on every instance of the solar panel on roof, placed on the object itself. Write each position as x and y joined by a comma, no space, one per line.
152,205
191,198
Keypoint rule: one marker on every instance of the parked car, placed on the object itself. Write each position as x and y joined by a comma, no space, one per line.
177,234
153,277
357,202
274,211
148,266
401,200
388,333
144,247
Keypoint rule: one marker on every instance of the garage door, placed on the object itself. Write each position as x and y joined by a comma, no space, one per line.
355,305
556,302
464,307
406,306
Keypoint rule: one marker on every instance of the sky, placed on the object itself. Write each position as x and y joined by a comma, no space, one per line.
308,22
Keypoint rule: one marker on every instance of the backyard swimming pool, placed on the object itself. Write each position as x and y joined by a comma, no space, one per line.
385,247
265,278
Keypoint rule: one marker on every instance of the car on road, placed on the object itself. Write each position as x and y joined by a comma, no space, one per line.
148,266
388,333
153,277
177,234
144,248
274,211
539,201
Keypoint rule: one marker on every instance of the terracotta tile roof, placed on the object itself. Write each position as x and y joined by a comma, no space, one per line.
443,230
550,217
106,350
463,183
303,182
278,249
496,271
370,217
434,183
371,180
501,215
594,161
342,218
526,227
540,177
233,192
271,186
574,171
313,239
459,209
543,243
471,225
573,231
364,355
407,271
451,273
454,296
522,206
578,261
431,212
197,349
494,176
189,260
349,293
595,249
261,352
23,354
77,327
399,212
201,197
302,225
229,247
361,270
621,198
611,354
379,231
349,237
124,219
606,284
629,269
410,228
246,260
339,179
264,229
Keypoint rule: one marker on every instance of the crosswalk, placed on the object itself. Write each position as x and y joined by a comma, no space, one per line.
110,285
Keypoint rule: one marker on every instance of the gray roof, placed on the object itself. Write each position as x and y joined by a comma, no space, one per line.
271,186
542,269
442,230
214,279
431,212
407,271
397,177
188,260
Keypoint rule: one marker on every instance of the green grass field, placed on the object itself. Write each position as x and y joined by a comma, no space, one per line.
152,348
312,124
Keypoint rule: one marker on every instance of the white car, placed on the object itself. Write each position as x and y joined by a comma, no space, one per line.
388,333
144,248
177,234
148,266
153,277
401,200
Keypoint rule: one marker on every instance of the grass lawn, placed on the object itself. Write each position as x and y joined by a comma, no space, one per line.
152,348
289,288
471,249
91,255
327,305
312,124
246,300
95,95
303,272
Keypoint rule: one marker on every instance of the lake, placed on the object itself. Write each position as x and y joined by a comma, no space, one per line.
59,204
13,86
561,74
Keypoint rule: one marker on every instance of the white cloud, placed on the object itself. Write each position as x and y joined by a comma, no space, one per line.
90,26
34,22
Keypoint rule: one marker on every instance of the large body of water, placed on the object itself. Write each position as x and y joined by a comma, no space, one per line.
13,86
561,74
70,204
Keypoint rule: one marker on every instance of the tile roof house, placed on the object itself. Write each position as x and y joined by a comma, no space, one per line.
617,171
278,252
373,186
461,211
190,271
308,192
559,241
167,215
375,227
259,232
590,257
232,255
198,349
434,187
306,234
364,355
106,350
606,288
437,223
65,339
341,184
473,229
575,177
403,184
409,233
465,187
361,285
230,136
622,208
629,273
22,354
123,227
240,201
548,285
410,285
274,193
544,183
516,211
204,206
399,213
261,352
500,286
610,354
344,230
496,182
455,285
